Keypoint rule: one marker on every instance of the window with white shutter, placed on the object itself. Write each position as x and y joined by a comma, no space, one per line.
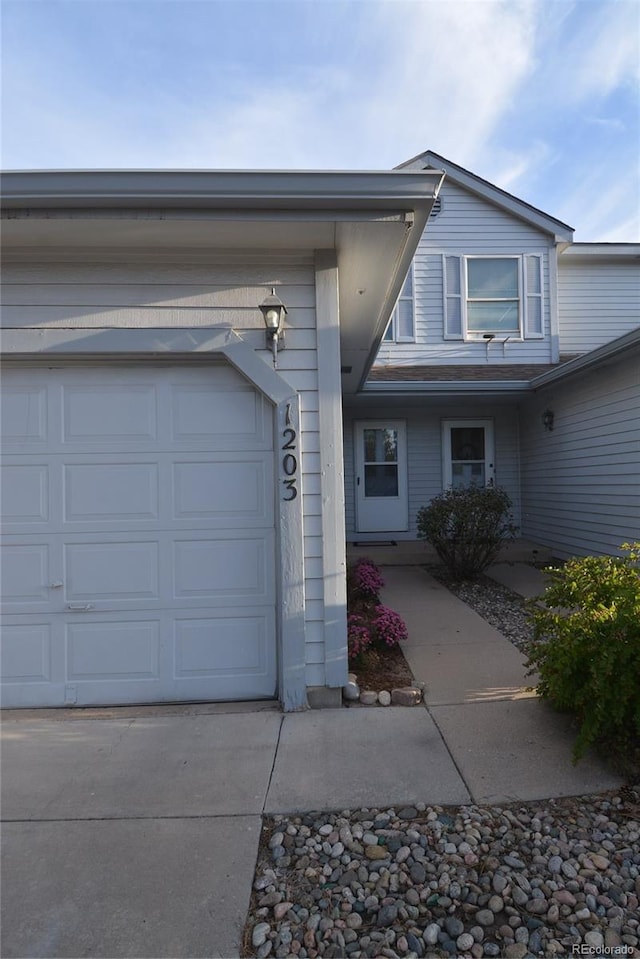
451,266
533,325
401,328
492,295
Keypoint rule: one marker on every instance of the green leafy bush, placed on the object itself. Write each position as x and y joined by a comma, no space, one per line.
586,647
467,526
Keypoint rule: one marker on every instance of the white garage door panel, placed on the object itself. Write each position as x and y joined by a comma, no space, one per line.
24,574
110,491
139,561
224,568
113,651
24,415
225,490
25,493
118,412
100,572
231,644
205,413
25,653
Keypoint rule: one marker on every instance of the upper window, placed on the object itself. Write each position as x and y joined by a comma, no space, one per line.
401,328
493,295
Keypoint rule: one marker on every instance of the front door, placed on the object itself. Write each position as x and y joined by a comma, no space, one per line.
468,453
382,501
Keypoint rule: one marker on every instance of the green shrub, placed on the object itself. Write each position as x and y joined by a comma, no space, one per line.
586,647
467,526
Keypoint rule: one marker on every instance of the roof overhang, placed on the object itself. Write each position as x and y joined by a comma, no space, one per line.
372,219
624,252
609,352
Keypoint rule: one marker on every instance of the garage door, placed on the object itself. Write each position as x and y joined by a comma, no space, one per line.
138,552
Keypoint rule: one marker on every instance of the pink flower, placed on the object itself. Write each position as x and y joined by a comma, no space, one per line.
389,627
365,579
359,635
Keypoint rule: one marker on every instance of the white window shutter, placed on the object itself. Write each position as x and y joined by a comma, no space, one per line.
532,297
452,297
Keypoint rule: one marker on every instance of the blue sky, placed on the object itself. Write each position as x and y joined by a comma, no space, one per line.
541,97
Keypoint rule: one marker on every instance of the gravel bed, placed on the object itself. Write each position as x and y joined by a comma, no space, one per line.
499,605
550,878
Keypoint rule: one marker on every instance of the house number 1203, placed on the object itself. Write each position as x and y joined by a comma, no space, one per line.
290,464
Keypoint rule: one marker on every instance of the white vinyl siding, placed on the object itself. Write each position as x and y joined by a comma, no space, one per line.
580,485
205,292
598,301
469,225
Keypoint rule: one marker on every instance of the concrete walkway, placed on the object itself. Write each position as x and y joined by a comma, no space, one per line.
134,832
505,743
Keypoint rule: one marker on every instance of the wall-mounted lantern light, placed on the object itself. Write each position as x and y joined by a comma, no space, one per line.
274,312
547,420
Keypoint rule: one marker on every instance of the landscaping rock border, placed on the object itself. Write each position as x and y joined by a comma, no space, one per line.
526,879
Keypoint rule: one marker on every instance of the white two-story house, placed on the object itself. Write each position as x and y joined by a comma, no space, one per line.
512,357
178,489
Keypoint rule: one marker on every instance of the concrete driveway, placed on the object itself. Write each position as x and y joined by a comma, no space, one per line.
134,833
131,836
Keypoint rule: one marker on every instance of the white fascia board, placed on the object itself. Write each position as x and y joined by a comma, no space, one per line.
621,345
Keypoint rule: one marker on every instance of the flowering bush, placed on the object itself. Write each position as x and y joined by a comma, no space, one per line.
389,627
359,636
369,623
364,580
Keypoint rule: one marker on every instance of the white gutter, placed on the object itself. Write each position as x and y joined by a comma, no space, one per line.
220,189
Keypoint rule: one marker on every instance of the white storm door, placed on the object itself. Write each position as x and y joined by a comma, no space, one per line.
382,500
468,453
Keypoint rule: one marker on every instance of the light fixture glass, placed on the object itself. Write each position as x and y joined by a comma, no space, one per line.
273,311
547,420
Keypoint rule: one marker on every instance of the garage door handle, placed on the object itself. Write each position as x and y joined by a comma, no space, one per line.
79,609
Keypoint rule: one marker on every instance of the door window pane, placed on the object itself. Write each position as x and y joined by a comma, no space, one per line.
467,474
468,456
381,480
467,443
380,446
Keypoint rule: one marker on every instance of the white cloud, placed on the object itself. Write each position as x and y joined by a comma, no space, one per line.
511,89
423,75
